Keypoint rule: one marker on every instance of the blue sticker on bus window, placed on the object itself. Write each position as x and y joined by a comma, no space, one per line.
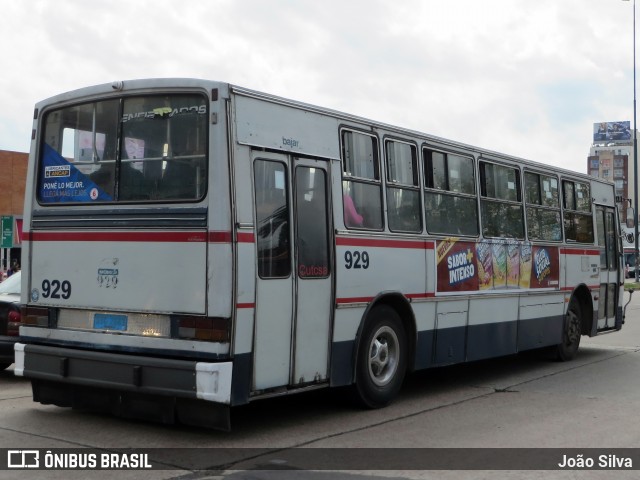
62,182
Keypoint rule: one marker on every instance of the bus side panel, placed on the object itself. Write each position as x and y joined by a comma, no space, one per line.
451,331
245,273
492,327
425,314
219,279
244,319
245,302
581,266
541,321
346,323
366,267
220,271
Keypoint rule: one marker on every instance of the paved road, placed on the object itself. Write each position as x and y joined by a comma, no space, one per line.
526,401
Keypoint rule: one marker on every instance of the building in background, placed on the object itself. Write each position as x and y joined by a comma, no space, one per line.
611,158
13,175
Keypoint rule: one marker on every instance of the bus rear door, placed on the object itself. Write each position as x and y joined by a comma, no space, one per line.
609,267
294,278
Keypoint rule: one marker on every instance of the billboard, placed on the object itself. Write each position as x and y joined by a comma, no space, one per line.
612,132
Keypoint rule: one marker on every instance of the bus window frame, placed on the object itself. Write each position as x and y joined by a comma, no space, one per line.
429,190
119,160
540,206
483,197
260,274
347,177
396,185
584,213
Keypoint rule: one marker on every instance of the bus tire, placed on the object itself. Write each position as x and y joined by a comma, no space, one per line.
571,332
382,358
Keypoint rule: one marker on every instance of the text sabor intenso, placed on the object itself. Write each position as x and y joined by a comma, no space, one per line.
603,461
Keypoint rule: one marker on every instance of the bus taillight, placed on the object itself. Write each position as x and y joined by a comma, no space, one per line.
204,328
36,316
13,324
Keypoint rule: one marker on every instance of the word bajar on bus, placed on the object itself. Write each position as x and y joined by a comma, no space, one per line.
192,245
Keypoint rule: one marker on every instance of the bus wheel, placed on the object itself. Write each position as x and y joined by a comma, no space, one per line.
572,332
382,358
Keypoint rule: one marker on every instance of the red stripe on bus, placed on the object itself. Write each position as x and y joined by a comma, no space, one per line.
219,237
246,305
225,237
354,300
246,238
421,295
579,251
385,243
178,237
369,299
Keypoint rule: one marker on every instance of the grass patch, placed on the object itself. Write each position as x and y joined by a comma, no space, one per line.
631,286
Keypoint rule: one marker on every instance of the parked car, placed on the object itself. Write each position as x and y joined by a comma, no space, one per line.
629,261
9,318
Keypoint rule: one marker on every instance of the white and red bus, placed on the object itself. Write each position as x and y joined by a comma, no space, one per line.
628,249
192,245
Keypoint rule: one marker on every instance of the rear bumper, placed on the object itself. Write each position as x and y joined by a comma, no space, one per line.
157,376
126,385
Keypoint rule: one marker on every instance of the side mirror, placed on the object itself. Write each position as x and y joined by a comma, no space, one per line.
631,216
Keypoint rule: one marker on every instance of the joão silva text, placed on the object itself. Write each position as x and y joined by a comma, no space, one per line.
604,461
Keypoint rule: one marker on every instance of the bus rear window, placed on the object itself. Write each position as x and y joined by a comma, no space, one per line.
135,149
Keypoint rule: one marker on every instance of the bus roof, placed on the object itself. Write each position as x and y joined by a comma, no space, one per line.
225,89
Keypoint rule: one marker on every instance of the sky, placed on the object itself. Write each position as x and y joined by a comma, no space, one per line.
521,77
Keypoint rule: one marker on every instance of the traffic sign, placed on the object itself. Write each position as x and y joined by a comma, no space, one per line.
7,232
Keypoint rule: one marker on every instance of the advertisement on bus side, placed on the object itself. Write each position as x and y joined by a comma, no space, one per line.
464,266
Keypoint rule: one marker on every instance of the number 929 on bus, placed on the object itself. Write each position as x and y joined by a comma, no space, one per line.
56,289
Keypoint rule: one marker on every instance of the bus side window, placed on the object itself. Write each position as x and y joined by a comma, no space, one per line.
578,217
361,181
403,191
501,201
312,236
542,202
272,219
450,201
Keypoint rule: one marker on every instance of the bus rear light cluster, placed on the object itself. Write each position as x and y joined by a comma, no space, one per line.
35,316
13,324
209,329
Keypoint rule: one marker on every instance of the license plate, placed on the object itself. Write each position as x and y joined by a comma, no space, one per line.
106,321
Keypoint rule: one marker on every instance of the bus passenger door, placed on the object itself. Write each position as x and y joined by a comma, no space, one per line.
294,274
313,272
274,279
609,267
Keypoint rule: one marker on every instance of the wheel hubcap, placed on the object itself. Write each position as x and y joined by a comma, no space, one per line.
383,356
